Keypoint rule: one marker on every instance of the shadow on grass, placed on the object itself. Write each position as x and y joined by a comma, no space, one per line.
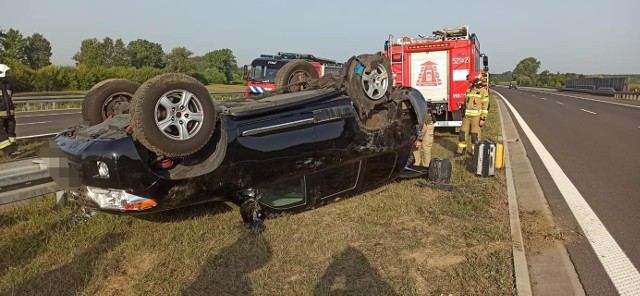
187,213
449,143
227,273
351,274
20,250
73,277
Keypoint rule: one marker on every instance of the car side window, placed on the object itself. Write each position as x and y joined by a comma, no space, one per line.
284,194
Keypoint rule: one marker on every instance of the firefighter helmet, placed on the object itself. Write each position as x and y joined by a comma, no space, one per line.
4,71
474,78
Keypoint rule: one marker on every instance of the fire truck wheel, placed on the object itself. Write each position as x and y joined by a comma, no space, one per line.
368,81
293,72
108,98
173,114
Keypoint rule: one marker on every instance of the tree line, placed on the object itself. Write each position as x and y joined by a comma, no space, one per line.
526,74
96,60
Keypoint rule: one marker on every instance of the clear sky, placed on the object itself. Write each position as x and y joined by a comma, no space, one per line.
585,36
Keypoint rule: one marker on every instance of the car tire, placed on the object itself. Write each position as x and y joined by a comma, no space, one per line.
108,98
369,81
172,115
293,72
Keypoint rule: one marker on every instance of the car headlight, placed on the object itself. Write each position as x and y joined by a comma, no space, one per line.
117,199
103,169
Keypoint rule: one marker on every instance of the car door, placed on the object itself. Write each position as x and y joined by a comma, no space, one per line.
276,148
338,163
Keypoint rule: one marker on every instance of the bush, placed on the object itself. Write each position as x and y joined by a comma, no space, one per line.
54,78
22,77
69,78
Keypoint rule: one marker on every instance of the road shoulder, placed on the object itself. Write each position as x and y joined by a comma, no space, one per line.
550,270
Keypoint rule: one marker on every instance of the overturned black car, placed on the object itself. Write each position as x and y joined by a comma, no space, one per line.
166,144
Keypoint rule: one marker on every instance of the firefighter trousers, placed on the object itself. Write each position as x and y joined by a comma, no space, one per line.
422,155
8,135
469,132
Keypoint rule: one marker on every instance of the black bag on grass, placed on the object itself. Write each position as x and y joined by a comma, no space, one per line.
439,170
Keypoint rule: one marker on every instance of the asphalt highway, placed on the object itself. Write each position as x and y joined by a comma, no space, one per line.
596,145
34,123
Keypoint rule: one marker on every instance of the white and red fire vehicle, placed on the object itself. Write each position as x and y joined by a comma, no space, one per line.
439,66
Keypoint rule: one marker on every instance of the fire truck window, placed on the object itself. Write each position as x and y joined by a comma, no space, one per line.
263,73
270,74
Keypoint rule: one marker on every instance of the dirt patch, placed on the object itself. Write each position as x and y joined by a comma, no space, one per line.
445,261
540,231
127,274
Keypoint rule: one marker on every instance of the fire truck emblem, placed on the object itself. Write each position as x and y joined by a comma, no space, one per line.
429,75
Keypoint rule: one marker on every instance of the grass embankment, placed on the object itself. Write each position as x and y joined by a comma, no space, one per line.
29,147
396,239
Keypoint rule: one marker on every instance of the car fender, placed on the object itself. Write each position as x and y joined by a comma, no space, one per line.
419,104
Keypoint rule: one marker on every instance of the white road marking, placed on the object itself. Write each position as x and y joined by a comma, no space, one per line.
588,111
561,103
30,123
623,274
599,101
544,99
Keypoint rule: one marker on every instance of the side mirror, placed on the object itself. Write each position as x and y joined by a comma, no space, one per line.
245,72
485,61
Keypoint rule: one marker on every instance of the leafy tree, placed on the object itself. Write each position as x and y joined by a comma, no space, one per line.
106,53
223,60
91,53
38,51
526,68
119,55
179,60
13,45
545,79
1,45
143,53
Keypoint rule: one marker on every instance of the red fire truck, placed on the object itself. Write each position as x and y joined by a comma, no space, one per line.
438,66
261,74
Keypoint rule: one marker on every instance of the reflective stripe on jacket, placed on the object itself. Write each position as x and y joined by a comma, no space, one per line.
477,102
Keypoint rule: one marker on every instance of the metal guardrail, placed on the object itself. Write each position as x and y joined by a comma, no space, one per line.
604,92
24,179
78,98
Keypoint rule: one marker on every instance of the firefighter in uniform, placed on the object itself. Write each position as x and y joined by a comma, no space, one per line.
475,111
7,115
422,151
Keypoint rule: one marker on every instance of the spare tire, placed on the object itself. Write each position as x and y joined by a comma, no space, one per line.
173,115
295,71
369,81
107,99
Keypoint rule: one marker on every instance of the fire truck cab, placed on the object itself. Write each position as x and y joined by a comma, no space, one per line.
261,74
438,66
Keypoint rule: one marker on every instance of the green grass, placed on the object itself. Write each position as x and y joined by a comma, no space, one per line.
30,148
396,239
225,88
